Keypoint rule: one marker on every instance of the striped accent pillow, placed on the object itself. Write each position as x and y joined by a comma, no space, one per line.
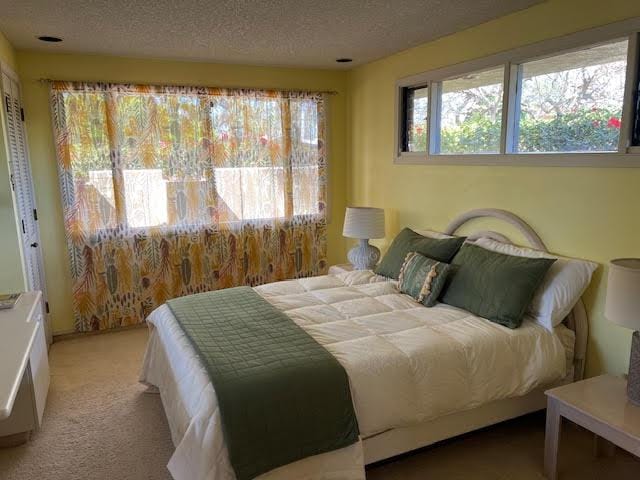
422,278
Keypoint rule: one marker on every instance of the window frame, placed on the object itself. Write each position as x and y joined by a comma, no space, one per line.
627,154
635,100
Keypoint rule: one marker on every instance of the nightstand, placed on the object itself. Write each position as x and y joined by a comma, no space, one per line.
341,268
598,404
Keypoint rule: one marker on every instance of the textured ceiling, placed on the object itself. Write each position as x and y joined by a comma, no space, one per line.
268,32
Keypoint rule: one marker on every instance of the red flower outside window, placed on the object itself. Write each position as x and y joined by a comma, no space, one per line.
614,122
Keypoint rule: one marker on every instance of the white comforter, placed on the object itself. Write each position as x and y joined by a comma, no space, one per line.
406,364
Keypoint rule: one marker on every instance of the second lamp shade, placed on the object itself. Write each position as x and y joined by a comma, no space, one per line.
622,305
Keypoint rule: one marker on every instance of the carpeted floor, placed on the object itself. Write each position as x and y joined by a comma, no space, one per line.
100,425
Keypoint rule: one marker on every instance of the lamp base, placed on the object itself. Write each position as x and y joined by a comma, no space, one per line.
633,382
364,256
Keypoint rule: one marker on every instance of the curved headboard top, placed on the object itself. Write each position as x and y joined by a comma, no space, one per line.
577,319
523,227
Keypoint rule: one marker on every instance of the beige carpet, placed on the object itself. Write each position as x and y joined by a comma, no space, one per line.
100,425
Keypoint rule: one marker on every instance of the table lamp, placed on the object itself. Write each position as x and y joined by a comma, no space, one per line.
622,306
363,223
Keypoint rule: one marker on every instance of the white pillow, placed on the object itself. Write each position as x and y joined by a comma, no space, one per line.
561,288
433,234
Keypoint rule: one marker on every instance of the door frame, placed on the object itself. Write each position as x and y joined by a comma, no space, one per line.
6,70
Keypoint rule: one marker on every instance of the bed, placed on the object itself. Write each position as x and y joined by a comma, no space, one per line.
393,350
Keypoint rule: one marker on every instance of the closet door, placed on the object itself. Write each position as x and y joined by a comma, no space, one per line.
23,193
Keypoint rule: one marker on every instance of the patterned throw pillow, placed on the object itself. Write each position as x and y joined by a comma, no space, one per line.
422,278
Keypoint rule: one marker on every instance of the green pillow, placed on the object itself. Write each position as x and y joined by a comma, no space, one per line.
493,285
422,278
408,241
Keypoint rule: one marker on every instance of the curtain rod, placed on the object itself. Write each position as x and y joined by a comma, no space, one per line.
326,92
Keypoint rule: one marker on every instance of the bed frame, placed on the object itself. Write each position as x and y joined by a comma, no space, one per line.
401,440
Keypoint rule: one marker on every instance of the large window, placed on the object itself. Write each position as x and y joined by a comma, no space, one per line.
540,103
192,159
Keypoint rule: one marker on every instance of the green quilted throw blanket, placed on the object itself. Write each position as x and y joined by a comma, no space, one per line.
282,396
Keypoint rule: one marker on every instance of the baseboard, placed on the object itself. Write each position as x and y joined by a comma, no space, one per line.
69,335
15,439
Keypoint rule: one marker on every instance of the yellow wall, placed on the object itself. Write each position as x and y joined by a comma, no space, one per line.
11,278
584,212
33,66
7,52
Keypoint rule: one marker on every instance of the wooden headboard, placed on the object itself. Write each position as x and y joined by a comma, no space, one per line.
577,319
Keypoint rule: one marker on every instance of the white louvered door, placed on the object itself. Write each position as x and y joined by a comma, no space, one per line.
23,193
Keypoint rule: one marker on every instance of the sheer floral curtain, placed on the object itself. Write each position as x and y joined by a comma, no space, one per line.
169,191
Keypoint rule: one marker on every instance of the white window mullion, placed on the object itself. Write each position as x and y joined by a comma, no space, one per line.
510,108
435,108
517,103
504,125
429,116
401,113
631,84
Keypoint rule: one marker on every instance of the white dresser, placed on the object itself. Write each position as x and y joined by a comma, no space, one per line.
24,369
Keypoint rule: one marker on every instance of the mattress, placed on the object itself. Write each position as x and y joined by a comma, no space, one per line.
406,364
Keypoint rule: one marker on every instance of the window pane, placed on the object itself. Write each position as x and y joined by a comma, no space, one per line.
250,192
471,115
163,175
573,102
417,108
249,176
305,156
88,149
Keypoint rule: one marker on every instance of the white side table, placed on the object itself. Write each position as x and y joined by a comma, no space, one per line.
598,404
341,268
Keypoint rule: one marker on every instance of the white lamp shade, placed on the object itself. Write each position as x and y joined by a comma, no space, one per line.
622,305
363,223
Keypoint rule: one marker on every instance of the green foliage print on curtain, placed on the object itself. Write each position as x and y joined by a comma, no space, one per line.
169,191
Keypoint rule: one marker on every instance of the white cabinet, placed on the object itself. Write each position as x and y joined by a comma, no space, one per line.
24,369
